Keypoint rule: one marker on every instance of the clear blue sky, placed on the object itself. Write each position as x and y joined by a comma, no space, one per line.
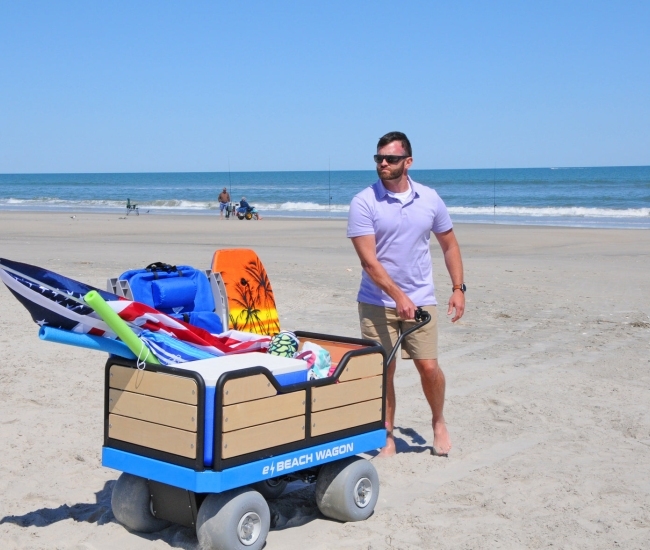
155,86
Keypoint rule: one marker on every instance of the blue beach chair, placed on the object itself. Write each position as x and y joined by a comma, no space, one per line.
191,295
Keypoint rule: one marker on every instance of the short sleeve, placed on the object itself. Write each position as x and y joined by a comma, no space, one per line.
441,218
360,218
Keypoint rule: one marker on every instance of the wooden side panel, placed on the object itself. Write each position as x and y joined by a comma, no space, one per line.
156,384
154,436
261,437
247,389
333,420
262,411
336,349
363,366
153,409
345,393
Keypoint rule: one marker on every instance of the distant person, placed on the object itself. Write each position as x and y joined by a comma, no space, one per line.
224,201
243,204
390,224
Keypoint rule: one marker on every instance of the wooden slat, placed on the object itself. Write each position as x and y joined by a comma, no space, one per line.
363,366
333,420
247,389
337,349
153,409
154,436
345,393
263,411
261,437
155,384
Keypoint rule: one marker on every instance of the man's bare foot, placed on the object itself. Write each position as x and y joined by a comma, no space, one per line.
389,449
441,439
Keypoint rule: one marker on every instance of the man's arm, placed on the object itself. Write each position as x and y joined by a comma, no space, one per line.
454,263
366,248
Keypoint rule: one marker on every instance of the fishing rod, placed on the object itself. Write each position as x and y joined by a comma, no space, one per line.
494,193
329,184
229,181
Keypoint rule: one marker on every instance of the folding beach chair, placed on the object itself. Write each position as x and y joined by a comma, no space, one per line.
130,207
183,292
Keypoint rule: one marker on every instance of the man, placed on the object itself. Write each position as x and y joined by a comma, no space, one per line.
224,200
390,224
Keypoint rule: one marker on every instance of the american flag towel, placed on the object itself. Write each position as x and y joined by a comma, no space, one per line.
57,301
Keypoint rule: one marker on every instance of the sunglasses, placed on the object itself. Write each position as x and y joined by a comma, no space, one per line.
390,159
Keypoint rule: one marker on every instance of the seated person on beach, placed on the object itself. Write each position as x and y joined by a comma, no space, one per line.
244,204
224,199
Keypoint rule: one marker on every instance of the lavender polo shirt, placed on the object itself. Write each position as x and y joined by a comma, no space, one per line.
402,233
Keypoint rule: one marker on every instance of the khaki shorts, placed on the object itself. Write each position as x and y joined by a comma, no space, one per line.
383,325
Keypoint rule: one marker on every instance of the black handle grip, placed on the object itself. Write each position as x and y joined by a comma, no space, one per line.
420,315
422,318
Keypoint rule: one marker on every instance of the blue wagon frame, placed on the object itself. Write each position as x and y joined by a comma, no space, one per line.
178,484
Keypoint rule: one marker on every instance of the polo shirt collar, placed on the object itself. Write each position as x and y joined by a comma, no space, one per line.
383,192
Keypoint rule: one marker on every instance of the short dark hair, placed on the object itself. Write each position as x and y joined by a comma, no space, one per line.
395,136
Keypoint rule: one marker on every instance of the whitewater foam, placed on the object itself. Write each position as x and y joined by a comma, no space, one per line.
297,207
572,211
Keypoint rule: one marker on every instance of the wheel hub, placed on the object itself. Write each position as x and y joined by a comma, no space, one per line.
363,492
249,528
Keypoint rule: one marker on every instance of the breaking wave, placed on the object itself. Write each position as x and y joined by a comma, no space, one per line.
170,204
569,211
315,209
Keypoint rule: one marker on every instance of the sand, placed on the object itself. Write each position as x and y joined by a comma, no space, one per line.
547,377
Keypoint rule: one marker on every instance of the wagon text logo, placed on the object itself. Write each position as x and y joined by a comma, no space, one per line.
308,458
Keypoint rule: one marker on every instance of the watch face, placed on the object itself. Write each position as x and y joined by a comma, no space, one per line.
463,287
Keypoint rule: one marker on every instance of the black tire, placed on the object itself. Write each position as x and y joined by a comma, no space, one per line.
234,520
240,215
347,490
270,488
131,504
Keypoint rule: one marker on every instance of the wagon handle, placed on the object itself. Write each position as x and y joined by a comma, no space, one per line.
422,317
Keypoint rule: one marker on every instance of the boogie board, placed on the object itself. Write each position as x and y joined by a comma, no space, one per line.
250,297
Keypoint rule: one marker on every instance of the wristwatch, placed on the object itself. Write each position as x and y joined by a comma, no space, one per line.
462,287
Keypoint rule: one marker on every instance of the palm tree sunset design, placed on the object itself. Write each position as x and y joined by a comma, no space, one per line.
250,296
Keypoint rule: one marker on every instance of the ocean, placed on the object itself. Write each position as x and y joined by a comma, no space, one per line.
579,197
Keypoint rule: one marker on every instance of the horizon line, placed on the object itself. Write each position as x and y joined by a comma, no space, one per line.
354,170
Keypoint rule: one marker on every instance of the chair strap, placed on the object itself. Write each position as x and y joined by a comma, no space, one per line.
155,267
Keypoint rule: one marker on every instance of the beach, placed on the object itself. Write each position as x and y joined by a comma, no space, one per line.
547,387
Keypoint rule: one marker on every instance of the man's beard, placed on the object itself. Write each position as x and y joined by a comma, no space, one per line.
394,173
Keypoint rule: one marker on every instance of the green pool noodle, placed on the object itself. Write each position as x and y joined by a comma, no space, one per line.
119,327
